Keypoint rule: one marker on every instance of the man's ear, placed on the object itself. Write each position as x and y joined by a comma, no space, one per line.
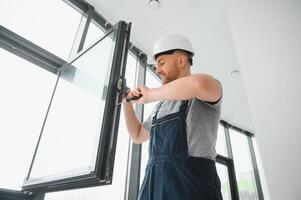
182,60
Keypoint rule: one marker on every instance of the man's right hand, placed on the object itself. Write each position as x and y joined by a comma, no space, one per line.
130,95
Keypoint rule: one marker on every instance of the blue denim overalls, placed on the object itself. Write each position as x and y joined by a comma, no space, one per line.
171,174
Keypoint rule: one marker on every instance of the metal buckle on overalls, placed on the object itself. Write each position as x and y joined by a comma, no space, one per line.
154,114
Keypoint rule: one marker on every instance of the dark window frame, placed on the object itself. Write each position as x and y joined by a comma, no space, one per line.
249,136
106,148
8,194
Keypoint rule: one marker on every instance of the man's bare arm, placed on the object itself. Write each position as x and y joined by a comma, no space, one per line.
201,86
135,129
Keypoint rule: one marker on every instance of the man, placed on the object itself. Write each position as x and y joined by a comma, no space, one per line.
182,128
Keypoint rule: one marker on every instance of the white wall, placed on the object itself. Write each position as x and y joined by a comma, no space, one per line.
267,36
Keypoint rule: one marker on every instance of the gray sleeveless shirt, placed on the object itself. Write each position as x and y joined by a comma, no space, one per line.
201,124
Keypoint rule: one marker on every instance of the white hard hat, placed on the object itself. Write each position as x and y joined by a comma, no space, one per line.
171,42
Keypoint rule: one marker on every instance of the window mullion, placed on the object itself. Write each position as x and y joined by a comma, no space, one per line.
27,50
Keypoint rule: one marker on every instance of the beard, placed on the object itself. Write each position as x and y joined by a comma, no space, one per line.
170,76
166,79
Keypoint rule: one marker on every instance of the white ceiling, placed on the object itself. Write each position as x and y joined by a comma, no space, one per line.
205,23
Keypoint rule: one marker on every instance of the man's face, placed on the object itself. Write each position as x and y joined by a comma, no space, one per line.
166,67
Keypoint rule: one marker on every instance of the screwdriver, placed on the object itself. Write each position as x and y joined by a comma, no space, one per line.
128,99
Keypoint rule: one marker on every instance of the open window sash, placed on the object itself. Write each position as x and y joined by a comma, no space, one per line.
77,143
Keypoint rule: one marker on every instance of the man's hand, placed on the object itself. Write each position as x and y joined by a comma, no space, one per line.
138,91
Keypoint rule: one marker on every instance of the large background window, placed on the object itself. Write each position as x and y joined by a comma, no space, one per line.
75,116
50,24
25,92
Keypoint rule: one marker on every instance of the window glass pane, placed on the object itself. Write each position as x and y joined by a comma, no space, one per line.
221,147
116,190
25,93
243,166
51,24
222,171
261,171
150,82
94,33
74,121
